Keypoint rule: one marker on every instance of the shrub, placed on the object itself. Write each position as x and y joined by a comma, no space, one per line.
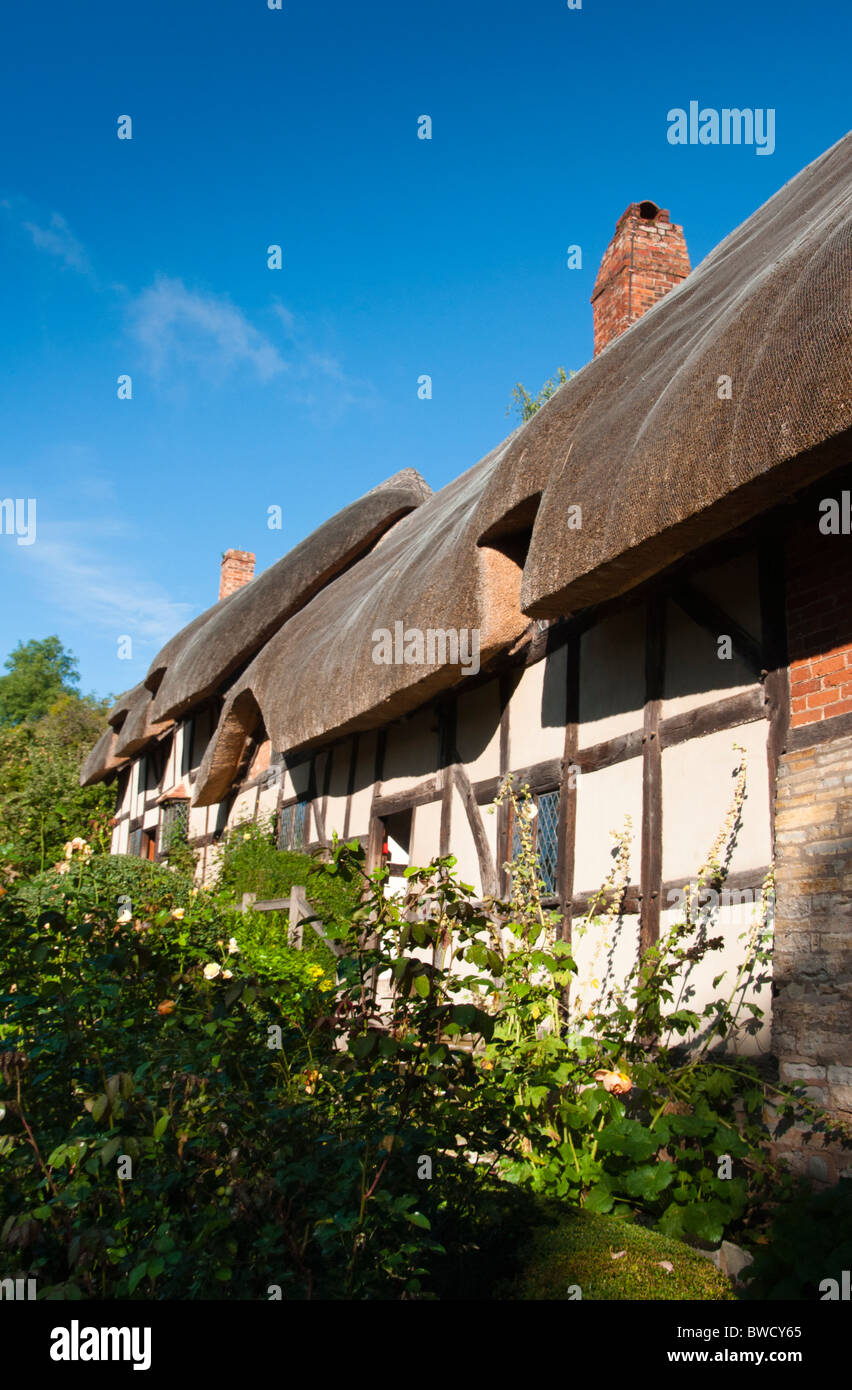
808,1240
251,863
114,881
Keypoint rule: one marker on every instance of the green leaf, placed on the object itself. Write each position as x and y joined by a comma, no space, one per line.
136,1277
160,1126
600,1199
649,1180
418,1219
421,984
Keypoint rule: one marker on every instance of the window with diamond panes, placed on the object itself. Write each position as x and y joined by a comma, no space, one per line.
546,839
174,819
292,832
547,821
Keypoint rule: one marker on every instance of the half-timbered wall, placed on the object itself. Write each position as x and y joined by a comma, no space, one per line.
632,712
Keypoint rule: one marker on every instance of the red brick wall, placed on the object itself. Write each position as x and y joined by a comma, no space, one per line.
237,570
819,624
645,259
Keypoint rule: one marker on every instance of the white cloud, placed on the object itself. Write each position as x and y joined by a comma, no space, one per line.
101,593
59,241
175,324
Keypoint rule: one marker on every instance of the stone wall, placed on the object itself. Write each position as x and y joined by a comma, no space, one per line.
812,1017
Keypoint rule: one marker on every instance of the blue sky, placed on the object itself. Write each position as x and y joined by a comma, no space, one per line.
298,387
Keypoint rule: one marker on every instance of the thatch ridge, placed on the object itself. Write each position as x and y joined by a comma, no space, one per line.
238,627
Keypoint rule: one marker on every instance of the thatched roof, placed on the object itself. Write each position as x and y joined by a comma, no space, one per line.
642,440
102,760
196,664
201,657
317,677
139,726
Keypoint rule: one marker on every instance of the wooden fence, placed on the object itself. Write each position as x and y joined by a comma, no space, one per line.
298,909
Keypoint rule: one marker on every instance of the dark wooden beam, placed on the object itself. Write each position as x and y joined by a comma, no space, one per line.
350,784
487,868
315,803
610,751
652,772
567,826
447,730
376,832
539,777
420,795
772,583
326,787
707,614
727,713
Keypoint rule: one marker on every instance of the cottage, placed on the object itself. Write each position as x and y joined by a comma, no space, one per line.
699,605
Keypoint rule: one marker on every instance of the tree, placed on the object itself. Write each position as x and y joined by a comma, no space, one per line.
42,804
39,673
527,405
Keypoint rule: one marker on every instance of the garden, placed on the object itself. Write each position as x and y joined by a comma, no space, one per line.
412,1106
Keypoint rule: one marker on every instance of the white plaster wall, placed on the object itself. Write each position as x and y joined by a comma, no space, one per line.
604,799
426,839
243,808
137,782
734,924
362,796
539,696
612,676
120,838
335,814
692,658
478,731
294,781
463,846
604,954
268,801
697,790
411,752
693,667
489,820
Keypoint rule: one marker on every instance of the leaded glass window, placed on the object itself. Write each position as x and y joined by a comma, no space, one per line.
174,819
545,829
293,826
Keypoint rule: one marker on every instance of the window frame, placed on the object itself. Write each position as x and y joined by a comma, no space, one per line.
549,895
180,804
293,803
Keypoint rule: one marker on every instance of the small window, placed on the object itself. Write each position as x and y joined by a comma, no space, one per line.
140,843
174,819
293,827
546,832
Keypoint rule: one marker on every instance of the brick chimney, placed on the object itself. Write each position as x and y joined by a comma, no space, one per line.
646,258
237,570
